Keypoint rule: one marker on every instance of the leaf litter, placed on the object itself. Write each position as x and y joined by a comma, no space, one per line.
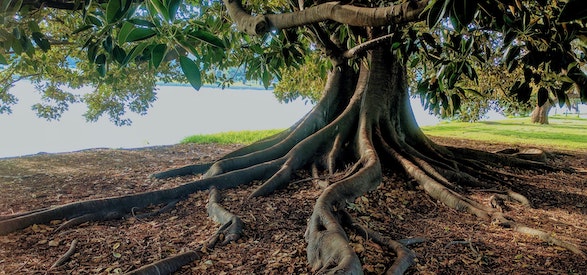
273,240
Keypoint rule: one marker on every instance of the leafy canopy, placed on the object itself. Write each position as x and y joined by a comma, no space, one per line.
461,52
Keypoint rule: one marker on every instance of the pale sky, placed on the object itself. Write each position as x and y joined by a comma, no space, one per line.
178,112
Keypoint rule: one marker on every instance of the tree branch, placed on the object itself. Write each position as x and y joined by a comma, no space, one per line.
335,11
362,48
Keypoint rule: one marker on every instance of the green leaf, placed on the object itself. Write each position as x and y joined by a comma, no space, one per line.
92,51
91,19
189,46
511,54
395,45
266,77
113,10
207,37
101,59
469,71
456,102
464,11
138,49
101,62
172,7
124,32
157,54
84,28
191,71
34,27
157,7
138,34
5,5
522,91
107,44
26,45
119,54
542,96
116,9
16,33
437,12
3,60
561,94
141,22
41,41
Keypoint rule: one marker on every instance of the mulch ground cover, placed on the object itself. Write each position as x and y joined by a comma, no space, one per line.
273,240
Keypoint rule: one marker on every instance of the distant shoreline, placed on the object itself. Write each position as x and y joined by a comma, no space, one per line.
211,86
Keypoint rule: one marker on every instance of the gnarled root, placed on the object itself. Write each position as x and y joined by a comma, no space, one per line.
454,199
499,219
231,225
183,171
116,207
167,265
405,256
369,125
65,256
328,247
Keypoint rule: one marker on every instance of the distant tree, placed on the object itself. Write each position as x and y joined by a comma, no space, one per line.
364,50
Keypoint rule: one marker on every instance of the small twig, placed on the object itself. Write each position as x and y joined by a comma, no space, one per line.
66,256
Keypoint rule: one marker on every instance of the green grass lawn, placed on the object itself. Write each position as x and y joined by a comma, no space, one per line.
568,133
238,137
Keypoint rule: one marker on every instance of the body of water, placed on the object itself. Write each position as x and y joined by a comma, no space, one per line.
178,112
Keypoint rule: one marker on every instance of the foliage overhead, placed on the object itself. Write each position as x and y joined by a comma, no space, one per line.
460,52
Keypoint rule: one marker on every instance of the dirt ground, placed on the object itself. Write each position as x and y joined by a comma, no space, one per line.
273,241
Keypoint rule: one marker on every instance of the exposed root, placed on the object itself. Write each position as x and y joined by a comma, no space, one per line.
328,249
183,171
167,265
65,256
100,216
466,154
163,209
499,197
547,237
116,207
461,202
16,215
323,113
534,154
371,122
405,256
231,225
301,155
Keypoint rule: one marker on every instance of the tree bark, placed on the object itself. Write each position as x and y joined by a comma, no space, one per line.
336,11
363,124
540,113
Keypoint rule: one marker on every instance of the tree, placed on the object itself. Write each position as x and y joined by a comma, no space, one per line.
363,121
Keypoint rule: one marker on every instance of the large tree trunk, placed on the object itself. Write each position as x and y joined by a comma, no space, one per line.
540,113
364,122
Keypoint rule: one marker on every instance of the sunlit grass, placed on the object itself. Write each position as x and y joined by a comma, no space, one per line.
563,132
569,133
233,137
